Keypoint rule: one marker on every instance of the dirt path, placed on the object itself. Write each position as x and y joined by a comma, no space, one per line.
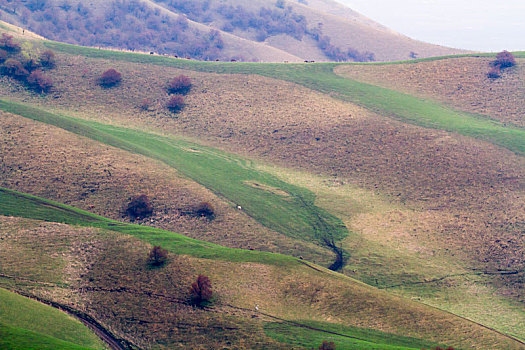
112,341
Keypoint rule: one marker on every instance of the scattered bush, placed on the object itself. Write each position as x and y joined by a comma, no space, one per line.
327,345
145,104
3,55
7,43
504,59
110,78
47,59
205,209
39,81
494,73
176,103
14,68
158,256
31,64
139,207
201,291
180,85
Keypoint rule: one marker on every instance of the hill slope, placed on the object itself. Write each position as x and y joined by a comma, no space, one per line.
391,169
260,30
116,284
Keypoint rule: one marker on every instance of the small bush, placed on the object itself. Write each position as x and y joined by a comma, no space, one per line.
201,291
14,68
180,85
205,209
139,207
3,55
504,59
327,345
7,43
145,104
110,78
39,81
47,59
176,103
158,256
32,64
494,72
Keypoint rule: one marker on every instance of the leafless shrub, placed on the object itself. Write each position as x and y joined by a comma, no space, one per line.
176,103
110,78
179,85
158,256
201,291
14,68
39,81
139,207
326,345
47,59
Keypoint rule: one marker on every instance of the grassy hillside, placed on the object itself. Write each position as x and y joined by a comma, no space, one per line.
277,205
460,82
132,275
401,189
321,77
27,324
260,30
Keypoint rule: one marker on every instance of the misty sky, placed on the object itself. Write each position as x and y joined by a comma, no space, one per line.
483,25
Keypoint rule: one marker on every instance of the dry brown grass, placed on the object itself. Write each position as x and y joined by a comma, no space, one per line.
466,190
458,82
107,276
46,161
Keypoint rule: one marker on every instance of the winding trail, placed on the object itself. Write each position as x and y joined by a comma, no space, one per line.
112,341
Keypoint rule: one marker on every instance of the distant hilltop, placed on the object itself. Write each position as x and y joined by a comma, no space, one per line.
258,30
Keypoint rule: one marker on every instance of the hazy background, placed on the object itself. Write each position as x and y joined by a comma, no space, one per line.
482,25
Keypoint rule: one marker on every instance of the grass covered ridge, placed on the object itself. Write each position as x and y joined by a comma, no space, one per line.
227,175
28,324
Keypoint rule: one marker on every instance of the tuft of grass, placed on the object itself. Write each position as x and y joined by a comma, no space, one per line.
28,324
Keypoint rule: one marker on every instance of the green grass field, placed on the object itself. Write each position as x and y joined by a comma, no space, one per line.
351,338
22,205
28,324
320,77
290,210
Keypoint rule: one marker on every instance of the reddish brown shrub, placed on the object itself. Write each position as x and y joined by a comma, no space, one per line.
205,209
47,59
179,85
327,345
3,55
494,72
145,104
158,256
39,81
31,64
14,68
110,78
176,103
504,59
7,43
201,291
139,207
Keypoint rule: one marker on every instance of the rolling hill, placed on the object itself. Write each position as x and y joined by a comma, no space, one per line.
261,30
323,165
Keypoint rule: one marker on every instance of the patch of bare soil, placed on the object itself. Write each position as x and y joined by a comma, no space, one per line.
458,82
